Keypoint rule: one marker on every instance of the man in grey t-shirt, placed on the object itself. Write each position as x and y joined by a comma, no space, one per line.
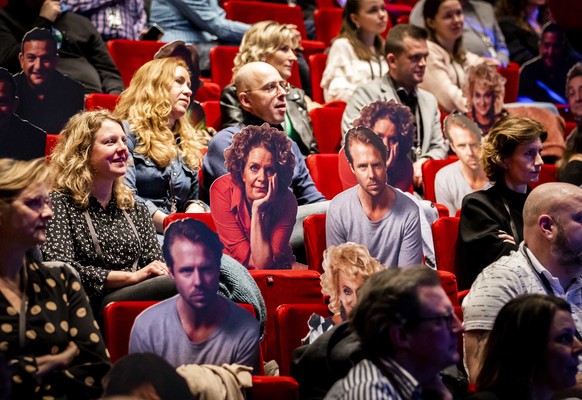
197,326
372,213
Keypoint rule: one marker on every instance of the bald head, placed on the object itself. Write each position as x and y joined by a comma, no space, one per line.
551,199
251,73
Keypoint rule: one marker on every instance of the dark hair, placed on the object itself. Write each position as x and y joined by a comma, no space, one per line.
6,76
502,140
514,355
350,32
273,140
189,54
40,34
395,39
461,121
398,114
389,298
138,369
430,10
194,231
552,27
364,135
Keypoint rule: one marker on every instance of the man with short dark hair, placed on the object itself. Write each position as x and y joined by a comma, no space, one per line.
47,98
406,52
373,213
18,139
456,180
408,332
548,261
197,326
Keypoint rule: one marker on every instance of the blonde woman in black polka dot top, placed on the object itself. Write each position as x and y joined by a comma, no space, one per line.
47,331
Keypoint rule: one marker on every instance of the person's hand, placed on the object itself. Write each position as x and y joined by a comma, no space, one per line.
392,155
417,177
261,204
507,238
49,362
50,10
295,31
155,268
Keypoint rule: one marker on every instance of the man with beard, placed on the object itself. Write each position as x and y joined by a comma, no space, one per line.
549,261
47,98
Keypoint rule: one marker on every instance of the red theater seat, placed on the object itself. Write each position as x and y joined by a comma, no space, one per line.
130,55
95,101
324,172
326,122
429,171
315,244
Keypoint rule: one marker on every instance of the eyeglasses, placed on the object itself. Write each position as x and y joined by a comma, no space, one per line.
449,319
273,88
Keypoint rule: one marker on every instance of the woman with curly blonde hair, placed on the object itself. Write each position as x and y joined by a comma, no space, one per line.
252,206
275,44
484,90
98,227
166,149
491,223
346,267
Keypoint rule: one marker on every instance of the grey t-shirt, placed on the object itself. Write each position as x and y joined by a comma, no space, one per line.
395,240
159,330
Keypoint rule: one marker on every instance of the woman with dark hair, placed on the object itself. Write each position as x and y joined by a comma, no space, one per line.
48,335
356,55
531,352
491,223
252,206
447,60
394,124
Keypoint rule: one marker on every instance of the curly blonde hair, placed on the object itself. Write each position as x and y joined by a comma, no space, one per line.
16,175
351,259
71,171
146,105
502,140
485,74
261,39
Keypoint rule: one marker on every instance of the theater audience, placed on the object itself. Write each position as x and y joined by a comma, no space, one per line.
356,55
346,267
252,206
447,61
98,227
570,166
49,337
47,98
481,32
83,54
521,23
19,139
274,44
165,148
394,124
198,325
491,223
531,352
454,181
543,78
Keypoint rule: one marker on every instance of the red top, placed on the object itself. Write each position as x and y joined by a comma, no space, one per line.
233,222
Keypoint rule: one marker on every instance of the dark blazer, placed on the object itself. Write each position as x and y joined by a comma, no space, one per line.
231,113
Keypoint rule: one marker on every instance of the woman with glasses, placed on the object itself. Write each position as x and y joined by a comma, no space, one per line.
356,55
166,149
48,334
99,227
532,351
274,44
252,206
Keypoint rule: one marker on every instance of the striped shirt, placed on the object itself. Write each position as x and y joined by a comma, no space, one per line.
366,381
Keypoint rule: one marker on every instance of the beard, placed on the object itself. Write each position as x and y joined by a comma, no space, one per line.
567,256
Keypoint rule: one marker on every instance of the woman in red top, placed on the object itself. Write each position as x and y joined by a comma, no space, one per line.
252,206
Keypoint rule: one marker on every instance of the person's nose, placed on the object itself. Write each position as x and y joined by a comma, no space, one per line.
576,347
457,327
187,91
539,159
382,14
292,55
422,62
47,211
196,279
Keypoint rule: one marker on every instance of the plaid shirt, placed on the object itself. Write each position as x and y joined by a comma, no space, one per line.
113,19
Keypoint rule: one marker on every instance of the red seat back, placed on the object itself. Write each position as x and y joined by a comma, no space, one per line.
327,130
204,217
511,73
317,65
291,327
95,101
429,171
130,55
51,142
449,284
282,287
324,172
315,243
328,22
212,112
444,234
273,387
209,91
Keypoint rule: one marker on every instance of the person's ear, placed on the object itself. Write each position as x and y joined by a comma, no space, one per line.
355,19
429,22
243,97
21,60
400,336
391,60
546,223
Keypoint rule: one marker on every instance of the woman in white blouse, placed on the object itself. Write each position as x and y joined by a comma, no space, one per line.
357,55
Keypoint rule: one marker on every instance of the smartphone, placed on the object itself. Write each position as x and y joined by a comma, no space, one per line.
154,33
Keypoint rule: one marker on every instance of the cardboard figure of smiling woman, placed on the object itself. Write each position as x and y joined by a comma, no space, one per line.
98,227
491,222
252,206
